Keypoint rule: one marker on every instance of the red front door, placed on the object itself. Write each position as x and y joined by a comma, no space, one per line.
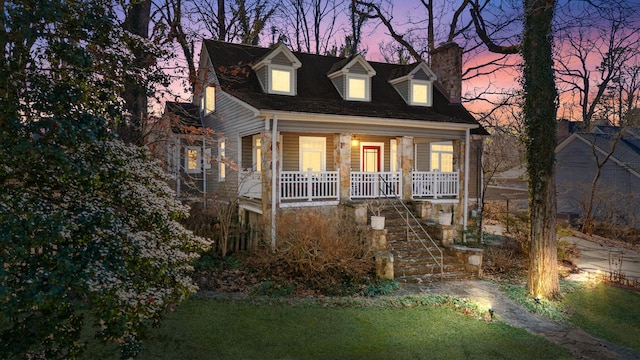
370,158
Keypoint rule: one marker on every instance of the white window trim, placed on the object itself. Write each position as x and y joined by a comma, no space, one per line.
393,155
209,100
255,150
429,85
198,167
439,152
222,169
292,79
367,87
363,144
323,161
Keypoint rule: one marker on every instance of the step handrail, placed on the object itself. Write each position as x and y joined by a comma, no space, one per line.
410,227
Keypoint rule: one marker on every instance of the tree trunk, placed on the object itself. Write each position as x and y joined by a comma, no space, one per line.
540,121
135,94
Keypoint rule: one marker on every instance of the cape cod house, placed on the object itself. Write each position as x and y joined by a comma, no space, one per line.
297,130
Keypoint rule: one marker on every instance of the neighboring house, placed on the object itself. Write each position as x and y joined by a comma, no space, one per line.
617,196
296,130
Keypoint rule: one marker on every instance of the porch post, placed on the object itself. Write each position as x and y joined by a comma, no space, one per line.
342,160
270,166
459,163
406,166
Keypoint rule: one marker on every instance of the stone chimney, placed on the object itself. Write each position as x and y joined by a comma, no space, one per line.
446,63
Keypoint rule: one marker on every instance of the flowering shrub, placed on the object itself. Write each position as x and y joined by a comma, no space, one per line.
88,228
106,236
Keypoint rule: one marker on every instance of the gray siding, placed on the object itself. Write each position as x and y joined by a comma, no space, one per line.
262,75
291,150
339,83
423,157
281,59
403,89
357,68
420,75
475,167
229,121
617,194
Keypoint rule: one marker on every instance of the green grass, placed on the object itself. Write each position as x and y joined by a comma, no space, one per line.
395,329
607,312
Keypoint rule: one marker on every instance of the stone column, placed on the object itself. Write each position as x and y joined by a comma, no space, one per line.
458,164
268,171
405,151
342,159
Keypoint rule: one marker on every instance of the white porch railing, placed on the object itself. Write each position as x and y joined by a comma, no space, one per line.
436,184
250,184
375,184
309,185
324,185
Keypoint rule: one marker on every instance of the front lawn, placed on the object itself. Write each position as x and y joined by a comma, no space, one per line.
607,312
221,329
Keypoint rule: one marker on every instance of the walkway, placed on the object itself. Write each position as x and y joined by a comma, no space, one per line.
581,344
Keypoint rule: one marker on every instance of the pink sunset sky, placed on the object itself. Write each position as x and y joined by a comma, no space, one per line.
491,84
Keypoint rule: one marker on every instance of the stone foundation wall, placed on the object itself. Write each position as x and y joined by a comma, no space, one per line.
471,257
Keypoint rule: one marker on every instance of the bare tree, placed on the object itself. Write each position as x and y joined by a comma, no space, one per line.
594,52
309,25
600,160
136,23
189,21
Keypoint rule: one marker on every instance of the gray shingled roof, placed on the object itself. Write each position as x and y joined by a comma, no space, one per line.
187,113
627,149
317,94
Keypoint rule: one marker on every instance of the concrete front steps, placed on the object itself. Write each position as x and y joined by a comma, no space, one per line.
413,262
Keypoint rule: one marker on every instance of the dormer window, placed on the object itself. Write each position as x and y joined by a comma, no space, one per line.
281,81
414,83
420,93
276,71
358,88
352,78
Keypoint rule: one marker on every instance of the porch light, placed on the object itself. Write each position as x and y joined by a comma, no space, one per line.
355,141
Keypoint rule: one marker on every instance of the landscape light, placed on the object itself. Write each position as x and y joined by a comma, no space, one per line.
537,299
491,311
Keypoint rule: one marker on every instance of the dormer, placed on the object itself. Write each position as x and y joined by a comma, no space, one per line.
352,78
276,71
415,84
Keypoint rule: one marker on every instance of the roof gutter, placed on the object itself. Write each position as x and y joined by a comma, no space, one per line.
366,121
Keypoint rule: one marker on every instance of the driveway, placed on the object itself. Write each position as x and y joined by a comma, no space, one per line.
596,256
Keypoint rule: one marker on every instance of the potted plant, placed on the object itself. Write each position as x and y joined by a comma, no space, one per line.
377,220
444,218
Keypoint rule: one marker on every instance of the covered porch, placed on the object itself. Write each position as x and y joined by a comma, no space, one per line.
322,169
312,185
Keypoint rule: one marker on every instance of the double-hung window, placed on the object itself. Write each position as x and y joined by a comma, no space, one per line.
313,153
222,167
192,159
442,156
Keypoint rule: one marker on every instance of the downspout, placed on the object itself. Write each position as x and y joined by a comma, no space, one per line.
204,171
274,174
466,182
